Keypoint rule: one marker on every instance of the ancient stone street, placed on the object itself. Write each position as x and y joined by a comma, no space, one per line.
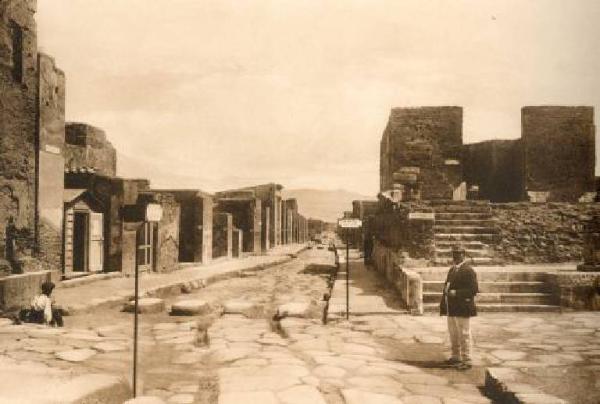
261,339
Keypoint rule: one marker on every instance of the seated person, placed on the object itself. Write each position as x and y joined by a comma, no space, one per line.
42,309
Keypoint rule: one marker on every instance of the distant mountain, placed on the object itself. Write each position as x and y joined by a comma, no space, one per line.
327,205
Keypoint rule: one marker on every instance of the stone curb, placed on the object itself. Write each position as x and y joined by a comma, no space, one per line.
503,385
170,289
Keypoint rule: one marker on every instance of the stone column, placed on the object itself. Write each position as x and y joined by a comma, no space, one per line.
591,246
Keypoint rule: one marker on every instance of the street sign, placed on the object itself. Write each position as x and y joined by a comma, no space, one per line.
350,223
153,212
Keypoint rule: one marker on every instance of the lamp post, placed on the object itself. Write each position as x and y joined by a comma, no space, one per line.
348,224
153,214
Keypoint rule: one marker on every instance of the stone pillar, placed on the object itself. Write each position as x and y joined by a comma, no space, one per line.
204,229
237,244
256,215
591,246
266,229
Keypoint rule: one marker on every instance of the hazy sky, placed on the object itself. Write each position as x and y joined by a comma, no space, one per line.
225,93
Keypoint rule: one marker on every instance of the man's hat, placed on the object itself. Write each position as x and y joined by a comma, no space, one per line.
458,248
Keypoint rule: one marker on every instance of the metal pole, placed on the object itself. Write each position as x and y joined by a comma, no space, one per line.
135,324
347,274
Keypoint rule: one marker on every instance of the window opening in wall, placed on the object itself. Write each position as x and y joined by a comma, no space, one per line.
17,51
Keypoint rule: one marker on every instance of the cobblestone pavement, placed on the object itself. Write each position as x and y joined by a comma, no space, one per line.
262,341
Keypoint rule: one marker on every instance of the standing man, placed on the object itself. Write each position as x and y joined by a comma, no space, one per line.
458,303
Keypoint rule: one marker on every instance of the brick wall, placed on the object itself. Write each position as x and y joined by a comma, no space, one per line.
87,146
18,108
429,138
559,149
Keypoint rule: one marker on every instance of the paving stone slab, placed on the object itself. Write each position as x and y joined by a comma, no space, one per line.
145,400
146,305
76,355
181,399
301,395
193,307
413,399
353,396
507,355
105,347
248,397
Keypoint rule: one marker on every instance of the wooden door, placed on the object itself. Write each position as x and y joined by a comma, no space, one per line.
96,248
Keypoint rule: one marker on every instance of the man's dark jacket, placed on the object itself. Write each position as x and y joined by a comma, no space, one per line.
464,281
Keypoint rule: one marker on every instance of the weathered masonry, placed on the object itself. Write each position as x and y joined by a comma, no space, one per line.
422,147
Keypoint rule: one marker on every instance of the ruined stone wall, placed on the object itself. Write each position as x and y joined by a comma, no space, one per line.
115,194
397,227
246,215
559,149
497,168
541,232
87,146
429,138
18,109
167,240
50,160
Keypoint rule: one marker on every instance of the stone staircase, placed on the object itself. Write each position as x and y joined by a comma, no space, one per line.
499,291
469,223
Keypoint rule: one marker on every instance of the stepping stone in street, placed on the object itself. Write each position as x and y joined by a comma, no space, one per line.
243,307
193,307
76,355
293,309
146,305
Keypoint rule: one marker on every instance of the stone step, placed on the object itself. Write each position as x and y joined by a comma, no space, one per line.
466,222
472,260
488,276
502,308
482,237
462,216
468,245
464,229
495,287
448,202
463,209
498,298
447,253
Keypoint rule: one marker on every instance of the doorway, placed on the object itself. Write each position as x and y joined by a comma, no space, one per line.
145,247
80,237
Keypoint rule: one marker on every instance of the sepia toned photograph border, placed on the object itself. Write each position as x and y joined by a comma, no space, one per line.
299,202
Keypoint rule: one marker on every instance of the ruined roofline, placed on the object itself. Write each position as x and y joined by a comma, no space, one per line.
42,55
184,191
559,109
394,110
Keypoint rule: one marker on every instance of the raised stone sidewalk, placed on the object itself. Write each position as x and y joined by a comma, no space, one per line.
116,291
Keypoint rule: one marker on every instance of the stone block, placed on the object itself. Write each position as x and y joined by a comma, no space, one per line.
146,305
192,307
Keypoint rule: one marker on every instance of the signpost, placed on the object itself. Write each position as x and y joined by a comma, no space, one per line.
153,213
348,224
